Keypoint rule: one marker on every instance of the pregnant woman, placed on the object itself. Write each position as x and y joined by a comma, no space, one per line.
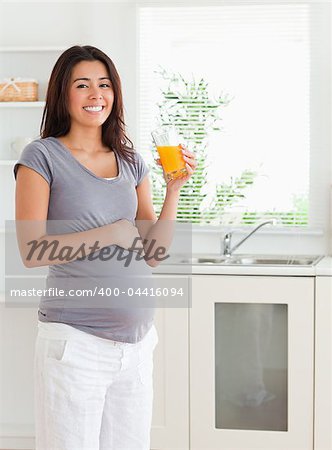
84,190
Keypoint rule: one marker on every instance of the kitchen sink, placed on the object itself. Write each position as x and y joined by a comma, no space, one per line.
250,260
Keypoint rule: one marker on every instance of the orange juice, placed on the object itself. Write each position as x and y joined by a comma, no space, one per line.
172,161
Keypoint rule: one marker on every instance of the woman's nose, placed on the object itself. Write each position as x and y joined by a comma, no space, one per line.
96,93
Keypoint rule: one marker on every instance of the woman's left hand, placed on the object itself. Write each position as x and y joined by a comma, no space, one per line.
191,164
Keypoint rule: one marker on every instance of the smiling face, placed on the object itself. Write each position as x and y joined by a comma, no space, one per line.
90,94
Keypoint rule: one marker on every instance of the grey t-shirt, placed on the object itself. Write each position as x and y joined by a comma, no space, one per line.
79,201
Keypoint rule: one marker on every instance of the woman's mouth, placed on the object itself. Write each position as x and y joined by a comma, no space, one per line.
93,109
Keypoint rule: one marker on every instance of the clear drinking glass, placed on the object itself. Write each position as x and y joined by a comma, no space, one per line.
167,142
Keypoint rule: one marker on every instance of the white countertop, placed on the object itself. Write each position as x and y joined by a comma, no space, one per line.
323,268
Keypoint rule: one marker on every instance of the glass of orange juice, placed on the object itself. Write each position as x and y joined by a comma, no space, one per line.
167,141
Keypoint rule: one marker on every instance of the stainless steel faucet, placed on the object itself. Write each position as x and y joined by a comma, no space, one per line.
227,250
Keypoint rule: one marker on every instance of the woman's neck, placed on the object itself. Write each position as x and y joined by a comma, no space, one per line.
89,140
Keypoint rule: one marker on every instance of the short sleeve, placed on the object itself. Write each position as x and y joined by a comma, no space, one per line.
141,168
35,156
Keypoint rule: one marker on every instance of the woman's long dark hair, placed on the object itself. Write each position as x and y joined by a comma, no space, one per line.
56,119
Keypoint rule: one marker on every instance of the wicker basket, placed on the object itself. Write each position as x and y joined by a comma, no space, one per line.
18,90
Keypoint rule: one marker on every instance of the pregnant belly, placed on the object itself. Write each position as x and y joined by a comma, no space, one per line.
97,283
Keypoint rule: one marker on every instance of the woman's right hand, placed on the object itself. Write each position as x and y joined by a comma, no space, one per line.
127,235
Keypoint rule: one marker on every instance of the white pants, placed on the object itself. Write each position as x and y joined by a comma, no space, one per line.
92,393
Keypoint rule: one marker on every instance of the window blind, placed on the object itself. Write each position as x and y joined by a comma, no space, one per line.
239,84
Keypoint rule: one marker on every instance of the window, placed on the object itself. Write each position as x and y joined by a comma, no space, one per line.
264,158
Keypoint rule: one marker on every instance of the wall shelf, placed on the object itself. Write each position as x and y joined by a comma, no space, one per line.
32,49
21,119
22,104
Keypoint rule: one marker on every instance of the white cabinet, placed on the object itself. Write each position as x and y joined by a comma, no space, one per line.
18,330
234,371
323,364
251,363
170,423
20,119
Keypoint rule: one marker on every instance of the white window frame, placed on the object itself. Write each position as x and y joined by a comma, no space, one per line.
320,107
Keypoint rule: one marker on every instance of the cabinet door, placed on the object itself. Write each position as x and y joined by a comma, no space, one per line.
251,363
170,422
323,364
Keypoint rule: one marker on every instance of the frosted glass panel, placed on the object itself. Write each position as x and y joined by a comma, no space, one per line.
251,366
